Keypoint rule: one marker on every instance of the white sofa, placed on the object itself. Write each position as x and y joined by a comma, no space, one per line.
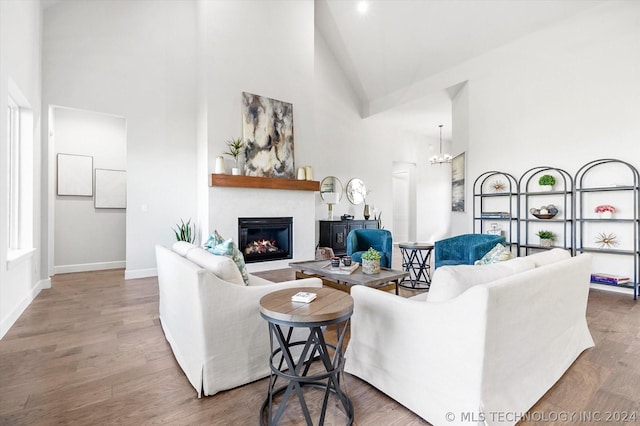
490,343
212,320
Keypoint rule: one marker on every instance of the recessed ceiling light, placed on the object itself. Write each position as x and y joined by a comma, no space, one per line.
363,6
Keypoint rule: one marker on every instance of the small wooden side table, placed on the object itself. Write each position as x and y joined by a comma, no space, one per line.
415,260
331,307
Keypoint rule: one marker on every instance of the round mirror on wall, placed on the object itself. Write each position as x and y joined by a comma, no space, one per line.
331,189
356,191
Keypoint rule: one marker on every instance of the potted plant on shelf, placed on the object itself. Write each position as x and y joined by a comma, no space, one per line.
234,148
371,261
546,182
185,231
605,211
546,238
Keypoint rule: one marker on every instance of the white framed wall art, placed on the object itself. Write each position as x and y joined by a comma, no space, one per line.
111,189
75,175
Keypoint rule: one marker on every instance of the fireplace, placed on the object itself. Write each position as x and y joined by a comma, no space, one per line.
265,238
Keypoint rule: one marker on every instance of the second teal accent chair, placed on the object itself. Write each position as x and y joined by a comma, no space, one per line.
464,249
359,241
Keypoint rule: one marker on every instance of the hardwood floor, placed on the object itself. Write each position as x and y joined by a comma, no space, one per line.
90,351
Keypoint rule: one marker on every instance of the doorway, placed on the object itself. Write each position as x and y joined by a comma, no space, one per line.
89,154
404,201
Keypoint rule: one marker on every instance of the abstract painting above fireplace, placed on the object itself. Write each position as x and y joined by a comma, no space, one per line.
267,130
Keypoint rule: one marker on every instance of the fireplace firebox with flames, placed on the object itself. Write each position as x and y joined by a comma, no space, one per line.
265,238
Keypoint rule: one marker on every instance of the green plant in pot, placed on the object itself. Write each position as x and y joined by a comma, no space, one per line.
547,182
546,238
371,261
185,231
234,149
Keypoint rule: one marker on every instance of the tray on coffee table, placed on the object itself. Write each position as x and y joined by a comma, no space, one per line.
386,279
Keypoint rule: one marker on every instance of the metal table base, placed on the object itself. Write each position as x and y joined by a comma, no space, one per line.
415,260
296,371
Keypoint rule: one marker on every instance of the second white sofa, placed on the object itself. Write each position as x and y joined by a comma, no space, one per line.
497,338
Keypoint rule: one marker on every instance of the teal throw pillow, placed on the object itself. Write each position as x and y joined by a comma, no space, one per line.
218,245
214,240
499,253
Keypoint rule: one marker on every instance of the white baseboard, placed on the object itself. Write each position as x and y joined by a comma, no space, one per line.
87,267
7,322
140,273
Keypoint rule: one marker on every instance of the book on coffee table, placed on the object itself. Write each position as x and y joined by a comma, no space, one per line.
303,296
344,270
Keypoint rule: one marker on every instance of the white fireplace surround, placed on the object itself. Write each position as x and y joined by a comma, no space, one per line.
227,204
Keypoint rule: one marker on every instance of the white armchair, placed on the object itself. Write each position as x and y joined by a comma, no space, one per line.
214,326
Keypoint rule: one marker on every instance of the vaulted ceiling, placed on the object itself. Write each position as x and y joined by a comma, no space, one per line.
397,43
400,42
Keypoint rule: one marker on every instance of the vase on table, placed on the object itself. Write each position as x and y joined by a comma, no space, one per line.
370,266
365,213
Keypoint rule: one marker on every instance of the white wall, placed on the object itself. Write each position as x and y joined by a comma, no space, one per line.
86,238
352,147
20,46
460,128
259,47
561,97
264,48
137,60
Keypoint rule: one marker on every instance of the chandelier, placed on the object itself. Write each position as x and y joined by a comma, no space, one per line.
441,158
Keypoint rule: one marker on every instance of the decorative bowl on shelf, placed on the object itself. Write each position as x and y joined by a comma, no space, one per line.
544,212
544,216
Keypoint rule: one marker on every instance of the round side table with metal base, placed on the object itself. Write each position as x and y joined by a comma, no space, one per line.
291,358
415,260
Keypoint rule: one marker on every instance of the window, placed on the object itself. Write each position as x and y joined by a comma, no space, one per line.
13,136
20,133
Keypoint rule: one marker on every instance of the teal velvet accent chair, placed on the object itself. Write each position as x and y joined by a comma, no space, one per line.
359,241
464,249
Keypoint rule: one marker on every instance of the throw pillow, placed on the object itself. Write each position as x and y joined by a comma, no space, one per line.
450,281
549,256
214,240
499,253
182,247
217,245
222,266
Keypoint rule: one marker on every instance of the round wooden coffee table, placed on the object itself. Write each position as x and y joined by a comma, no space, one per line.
291,359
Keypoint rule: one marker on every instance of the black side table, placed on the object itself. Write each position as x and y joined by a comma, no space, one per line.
331,307
415,260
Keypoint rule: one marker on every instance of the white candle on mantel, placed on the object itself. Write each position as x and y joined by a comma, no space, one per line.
301,173
219,168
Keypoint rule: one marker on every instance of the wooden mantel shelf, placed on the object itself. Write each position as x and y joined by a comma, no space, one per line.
264,182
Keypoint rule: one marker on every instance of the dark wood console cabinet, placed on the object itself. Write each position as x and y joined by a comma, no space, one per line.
333,233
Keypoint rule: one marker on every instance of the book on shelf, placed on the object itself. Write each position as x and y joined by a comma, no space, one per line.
495,215
344,270
303,296
598,277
